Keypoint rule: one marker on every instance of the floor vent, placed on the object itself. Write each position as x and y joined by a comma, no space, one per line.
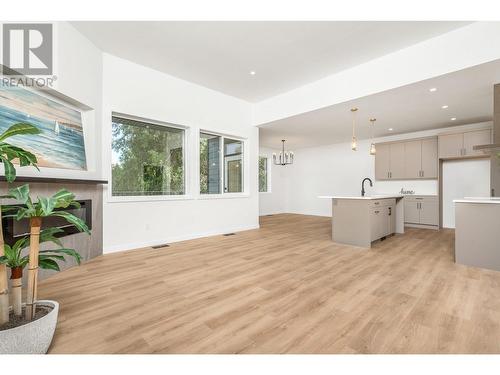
160,246
228,234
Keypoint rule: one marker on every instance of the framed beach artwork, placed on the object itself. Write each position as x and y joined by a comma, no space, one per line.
61,143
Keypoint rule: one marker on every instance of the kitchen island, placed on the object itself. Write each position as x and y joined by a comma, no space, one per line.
477,232
359,221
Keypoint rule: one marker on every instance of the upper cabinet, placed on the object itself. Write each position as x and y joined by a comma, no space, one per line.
459,145
383,161
389,161
406,160
430,158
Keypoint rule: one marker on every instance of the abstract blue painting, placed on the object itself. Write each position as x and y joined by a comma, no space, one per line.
61,143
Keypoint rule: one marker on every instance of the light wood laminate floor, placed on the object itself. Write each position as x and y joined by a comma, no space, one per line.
284,288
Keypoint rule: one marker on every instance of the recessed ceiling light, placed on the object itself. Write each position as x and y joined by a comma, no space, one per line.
390,129
433,89
252,72
453,118
444,106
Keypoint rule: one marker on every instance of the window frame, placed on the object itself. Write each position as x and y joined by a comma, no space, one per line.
268,175
222,174
185,163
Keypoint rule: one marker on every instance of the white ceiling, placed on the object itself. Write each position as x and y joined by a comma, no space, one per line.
284,55
468,94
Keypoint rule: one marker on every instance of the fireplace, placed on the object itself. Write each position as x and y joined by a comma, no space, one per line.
14,230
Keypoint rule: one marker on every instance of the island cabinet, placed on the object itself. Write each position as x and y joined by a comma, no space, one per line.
460,145
359,221
407,160
382,218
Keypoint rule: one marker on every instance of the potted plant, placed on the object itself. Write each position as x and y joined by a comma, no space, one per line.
8,153
34,333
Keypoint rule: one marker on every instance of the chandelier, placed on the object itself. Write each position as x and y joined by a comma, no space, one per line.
284,157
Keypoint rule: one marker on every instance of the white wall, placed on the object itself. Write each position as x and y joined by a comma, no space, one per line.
273,201
463,178
336,170
136,90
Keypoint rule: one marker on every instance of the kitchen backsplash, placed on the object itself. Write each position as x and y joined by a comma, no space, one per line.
422,187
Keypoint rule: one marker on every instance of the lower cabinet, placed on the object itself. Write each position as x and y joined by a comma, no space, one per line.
422,210
382,218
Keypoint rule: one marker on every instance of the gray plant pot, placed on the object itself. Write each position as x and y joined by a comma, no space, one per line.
32,338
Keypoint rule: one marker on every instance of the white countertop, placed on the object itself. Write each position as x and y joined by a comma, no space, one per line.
489,200
365,197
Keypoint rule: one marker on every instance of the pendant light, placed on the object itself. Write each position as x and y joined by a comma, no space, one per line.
285,157
354,142
373,150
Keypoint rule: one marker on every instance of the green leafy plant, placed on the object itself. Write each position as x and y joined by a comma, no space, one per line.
47,259
14,257
35,211
9,153
44,206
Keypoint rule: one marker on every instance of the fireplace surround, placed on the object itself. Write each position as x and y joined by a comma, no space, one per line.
13,230
88,192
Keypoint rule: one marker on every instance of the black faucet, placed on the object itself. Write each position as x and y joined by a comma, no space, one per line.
363,186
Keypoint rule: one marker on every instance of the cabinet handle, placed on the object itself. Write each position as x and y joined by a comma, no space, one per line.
377,212
422,173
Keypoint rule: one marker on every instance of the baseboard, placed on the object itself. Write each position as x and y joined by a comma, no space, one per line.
310,214
140,245
293,213
422,226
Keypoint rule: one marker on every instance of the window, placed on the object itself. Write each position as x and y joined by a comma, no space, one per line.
147,159
233,166
209,163
262,174
220,175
